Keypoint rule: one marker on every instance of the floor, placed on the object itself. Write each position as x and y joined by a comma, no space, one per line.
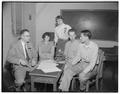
110,81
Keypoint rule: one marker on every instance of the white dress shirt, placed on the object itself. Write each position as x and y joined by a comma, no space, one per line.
87,53
23,45
61,32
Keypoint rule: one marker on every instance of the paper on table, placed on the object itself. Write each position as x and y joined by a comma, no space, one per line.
52,69
48,66
49,62
61,62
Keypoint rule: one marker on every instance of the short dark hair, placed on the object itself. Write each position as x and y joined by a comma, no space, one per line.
24,30
45,34
71,30
59,17
87,33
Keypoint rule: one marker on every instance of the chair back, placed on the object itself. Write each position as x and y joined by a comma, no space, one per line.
99,63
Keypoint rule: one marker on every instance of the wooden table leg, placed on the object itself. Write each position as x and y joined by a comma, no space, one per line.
55,87
32,86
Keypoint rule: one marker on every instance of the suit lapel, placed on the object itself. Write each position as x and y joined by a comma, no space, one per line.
21,48
29,50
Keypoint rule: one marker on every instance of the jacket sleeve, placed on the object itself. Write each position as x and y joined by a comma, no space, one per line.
78,56
66,50
12,56
56,37
34,54
92,61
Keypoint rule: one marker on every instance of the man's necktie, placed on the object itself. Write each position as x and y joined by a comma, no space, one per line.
27,56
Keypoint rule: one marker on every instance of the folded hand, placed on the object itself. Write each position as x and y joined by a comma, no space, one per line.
22,62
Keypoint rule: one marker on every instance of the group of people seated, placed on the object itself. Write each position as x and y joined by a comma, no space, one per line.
80,54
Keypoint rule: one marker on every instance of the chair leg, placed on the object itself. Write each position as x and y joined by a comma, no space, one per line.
87,86
97,87
101,84
72,84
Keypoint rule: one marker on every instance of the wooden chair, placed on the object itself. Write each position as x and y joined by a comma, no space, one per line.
97,77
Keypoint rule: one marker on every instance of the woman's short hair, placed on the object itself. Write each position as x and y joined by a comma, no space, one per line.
59,17
24,30
87,33
72,30
45,34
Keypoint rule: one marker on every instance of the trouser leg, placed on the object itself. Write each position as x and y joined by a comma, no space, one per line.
60,47
79,69
83,80
69,72
65,83
19,74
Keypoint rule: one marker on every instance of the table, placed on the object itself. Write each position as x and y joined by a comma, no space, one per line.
39,76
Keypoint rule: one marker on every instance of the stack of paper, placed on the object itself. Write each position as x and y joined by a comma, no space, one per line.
48,66
61,62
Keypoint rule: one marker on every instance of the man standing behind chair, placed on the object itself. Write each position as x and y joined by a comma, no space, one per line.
83,63
23,56
61,34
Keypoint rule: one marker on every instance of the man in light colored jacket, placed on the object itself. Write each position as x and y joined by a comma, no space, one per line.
23,57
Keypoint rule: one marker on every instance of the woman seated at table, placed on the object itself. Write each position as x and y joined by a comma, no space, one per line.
46,48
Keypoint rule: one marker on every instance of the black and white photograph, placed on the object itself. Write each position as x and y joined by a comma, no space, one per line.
59,46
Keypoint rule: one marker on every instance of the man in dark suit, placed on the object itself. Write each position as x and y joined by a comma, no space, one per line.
23,57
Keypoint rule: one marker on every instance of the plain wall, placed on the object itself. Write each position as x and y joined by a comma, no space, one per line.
23,15
29,19
46,13
8,37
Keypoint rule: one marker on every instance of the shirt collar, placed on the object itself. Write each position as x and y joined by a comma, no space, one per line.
23,43
61,24
87,46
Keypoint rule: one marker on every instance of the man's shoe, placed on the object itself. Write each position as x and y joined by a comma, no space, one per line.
18,89
82,90
59,90
24,89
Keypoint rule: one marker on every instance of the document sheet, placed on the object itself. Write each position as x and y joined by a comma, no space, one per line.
48,66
